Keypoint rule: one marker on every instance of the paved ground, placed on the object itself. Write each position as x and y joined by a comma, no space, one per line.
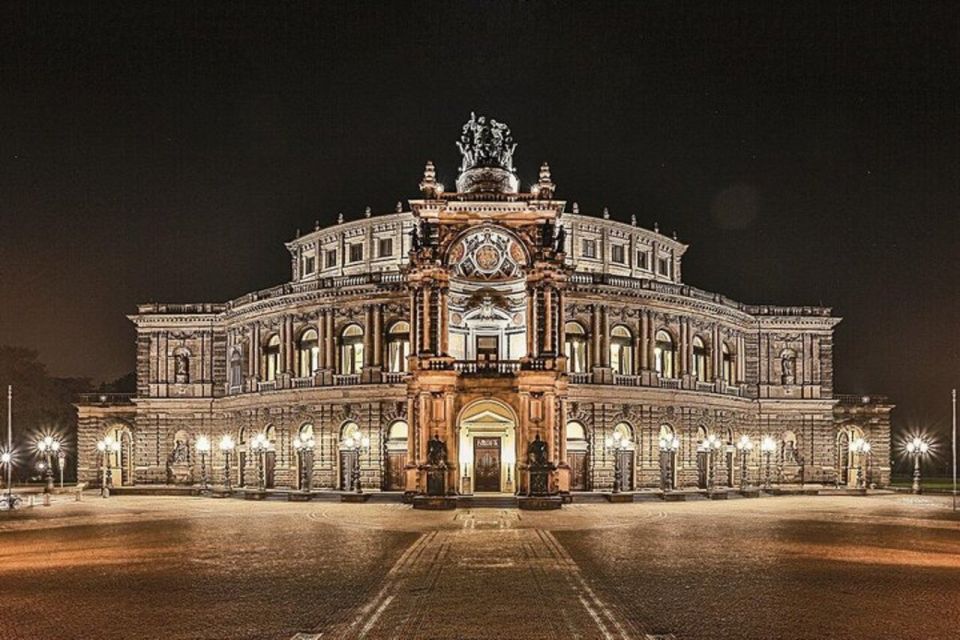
791,568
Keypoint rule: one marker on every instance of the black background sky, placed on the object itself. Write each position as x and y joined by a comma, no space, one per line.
165,151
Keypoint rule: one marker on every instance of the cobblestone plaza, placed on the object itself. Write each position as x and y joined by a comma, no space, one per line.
177,568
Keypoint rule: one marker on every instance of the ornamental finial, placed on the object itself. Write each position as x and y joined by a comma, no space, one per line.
367,212
656,227
633,219
606,213
576,207
429,186
545,186
340,218
399,207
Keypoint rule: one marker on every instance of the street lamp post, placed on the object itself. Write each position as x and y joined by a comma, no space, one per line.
768,445
226,446
203,448
61,463
304,447
6,461
669,445
107,447
744,446
860,447
260,445
615,444
710,445
48,447
357,445
917,447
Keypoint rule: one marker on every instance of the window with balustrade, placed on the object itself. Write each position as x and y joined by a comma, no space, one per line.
664,354
308,354
699,359
271,359
398,346
621,351
351,350
575,348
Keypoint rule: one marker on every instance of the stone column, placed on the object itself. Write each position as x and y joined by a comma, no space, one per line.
548,327
321,340
367,336
651,342
442,321
605,336
595,329
413,322
378,335
425,347
330,346
534,323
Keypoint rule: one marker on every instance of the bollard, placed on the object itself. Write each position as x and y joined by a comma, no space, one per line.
46,499
79,496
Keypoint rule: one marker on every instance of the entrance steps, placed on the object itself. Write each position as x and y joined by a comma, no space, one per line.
487,502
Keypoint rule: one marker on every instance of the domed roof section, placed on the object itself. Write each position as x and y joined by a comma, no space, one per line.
486,147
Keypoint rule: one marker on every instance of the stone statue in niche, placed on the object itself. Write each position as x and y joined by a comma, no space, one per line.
561,239
537,452
181,368
788,367
436,451
180,453
178,468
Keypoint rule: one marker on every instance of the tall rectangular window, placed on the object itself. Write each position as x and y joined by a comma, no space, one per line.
356,252
385,247
642,260
617,254
663,267
331,260
309,264
589,248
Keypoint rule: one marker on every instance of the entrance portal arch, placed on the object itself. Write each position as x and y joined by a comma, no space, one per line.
487,445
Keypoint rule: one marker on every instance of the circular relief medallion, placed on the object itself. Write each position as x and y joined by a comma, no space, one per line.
487,258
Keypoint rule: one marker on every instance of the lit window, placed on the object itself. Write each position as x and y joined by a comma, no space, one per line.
331,258
664,354
351,350
589,248
398,347
575,348
729,372
699,359
385,247
236,368
621,351
617,254
356,252
309,353
271,359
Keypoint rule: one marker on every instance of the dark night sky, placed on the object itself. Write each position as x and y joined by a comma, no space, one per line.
164,151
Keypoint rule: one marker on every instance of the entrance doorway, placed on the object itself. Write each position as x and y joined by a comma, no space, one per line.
486,456
487,447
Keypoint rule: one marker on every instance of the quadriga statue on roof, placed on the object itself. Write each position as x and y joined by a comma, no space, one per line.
486,143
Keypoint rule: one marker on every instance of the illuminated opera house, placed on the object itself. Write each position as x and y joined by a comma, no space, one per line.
500,323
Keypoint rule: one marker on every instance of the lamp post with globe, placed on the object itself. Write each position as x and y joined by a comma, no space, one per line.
304,447
203,448
917,447
358,445
47,447
744,446
615,444
669,445
767,445
107,447
861,448
711,445
226,446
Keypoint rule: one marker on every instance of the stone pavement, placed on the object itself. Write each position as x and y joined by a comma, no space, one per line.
791,568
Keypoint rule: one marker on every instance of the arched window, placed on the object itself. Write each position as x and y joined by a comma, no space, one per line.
351,350
621,351
397,436
625,433
576,434
236,368
729,368
398,346
576,347
350,431
699,358
306,431
308,350
664,355
666,433
271,359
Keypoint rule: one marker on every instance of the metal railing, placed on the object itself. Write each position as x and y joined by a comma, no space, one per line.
104,399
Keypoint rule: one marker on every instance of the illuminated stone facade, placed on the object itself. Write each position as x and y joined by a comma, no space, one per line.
487,318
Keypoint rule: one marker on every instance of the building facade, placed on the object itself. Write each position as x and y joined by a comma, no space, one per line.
489,319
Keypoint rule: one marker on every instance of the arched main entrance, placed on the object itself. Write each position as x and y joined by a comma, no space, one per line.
487,446
120,462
